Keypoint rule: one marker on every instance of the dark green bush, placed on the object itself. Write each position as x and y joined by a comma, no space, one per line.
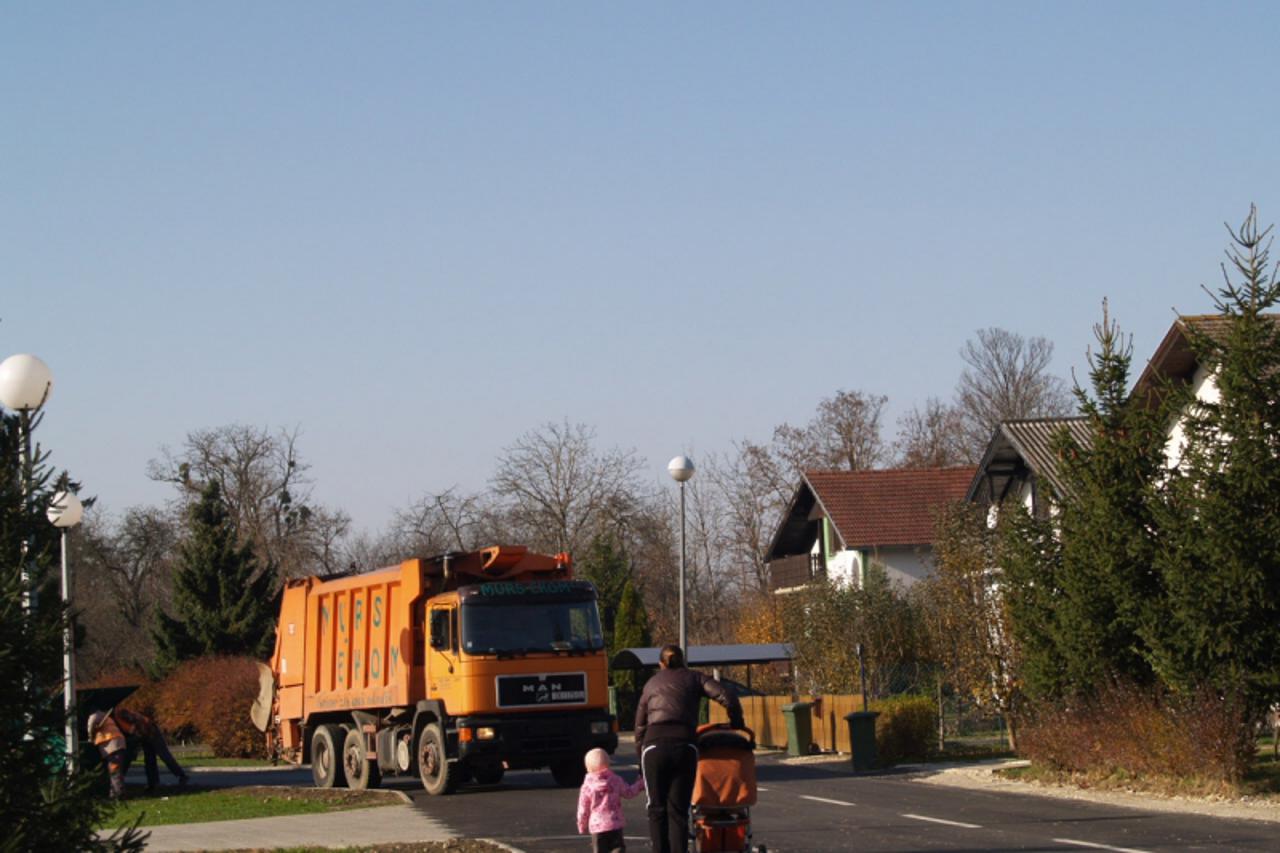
906,728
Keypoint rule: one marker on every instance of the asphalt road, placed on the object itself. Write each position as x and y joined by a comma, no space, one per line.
810,808
806,808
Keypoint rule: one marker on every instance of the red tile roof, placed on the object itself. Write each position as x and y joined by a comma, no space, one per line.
894,507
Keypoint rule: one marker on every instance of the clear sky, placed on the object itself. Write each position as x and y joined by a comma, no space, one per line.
418,230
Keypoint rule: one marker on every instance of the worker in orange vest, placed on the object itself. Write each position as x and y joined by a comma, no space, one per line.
118,733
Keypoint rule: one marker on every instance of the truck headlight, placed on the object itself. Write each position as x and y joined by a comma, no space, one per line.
485,733
600,727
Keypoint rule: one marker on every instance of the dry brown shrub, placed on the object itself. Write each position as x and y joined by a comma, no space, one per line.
208,700
1144,732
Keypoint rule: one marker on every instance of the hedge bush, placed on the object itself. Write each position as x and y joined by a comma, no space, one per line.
906,729
207,700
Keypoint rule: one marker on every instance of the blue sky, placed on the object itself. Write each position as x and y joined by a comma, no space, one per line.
419,230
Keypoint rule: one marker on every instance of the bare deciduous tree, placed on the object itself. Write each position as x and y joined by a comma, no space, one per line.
843,434
447,521
122,573
1006,377
267,491
558,490
932,437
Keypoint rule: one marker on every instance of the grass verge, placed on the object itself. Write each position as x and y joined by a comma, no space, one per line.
196,805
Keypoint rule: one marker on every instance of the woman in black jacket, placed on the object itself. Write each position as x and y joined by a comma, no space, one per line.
666,721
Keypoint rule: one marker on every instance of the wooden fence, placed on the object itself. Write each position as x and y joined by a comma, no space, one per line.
763,715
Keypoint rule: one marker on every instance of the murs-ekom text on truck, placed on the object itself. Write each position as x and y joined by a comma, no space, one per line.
456,668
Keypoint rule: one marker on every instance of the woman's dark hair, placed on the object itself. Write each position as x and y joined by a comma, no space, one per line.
672,657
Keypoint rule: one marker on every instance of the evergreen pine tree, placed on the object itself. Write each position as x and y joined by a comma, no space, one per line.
607,567
42,807
1106,582
631,631
1220,565
1029,555
222,601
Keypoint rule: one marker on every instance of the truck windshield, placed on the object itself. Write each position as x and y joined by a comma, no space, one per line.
516,628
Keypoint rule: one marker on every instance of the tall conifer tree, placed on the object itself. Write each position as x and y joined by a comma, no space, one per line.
1106,523
222,601
42,807
1221,564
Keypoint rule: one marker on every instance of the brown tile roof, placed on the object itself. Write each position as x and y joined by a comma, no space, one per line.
893,507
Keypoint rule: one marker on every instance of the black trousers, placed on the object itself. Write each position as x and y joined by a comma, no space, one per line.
608,842
669,767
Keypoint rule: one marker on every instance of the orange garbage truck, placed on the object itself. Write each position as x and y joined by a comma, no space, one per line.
456,668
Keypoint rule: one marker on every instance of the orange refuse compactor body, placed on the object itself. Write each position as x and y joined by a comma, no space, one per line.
456,668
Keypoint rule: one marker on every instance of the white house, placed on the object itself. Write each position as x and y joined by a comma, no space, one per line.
838,522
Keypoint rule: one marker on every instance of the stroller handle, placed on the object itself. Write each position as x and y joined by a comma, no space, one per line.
725,727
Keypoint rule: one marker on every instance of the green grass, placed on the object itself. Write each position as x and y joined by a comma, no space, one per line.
975,748
206,760
1263,779
194,805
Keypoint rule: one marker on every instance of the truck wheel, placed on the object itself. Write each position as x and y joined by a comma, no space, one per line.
438,775
361,772
568,773
326,757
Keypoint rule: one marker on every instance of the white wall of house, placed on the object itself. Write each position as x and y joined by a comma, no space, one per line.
1205,388
905,564
844,567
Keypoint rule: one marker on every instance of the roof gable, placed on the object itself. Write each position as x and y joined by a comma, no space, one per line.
1021,445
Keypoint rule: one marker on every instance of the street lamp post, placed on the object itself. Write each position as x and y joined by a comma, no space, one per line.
681,470
65,512
25,383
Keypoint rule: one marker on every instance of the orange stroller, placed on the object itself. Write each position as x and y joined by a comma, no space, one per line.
724,790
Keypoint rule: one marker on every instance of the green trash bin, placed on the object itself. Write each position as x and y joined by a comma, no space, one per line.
799,727
862,739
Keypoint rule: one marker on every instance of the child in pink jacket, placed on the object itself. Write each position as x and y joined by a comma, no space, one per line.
600,803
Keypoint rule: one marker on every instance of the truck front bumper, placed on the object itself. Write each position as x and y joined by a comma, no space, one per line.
534,740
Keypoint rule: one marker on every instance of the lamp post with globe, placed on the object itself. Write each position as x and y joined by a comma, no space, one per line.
681,470
25,383
65,512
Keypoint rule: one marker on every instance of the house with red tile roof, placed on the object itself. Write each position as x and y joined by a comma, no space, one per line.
839,522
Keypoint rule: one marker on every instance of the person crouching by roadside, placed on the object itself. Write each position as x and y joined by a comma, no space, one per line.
118,734
113,748
600,803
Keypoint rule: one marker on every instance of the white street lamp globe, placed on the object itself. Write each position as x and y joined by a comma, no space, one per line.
65,510
680,468
25,382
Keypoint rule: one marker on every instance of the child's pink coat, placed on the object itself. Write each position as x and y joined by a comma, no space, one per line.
600,801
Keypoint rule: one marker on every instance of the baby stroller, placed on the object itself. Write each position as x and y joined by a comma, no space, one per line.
724,790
